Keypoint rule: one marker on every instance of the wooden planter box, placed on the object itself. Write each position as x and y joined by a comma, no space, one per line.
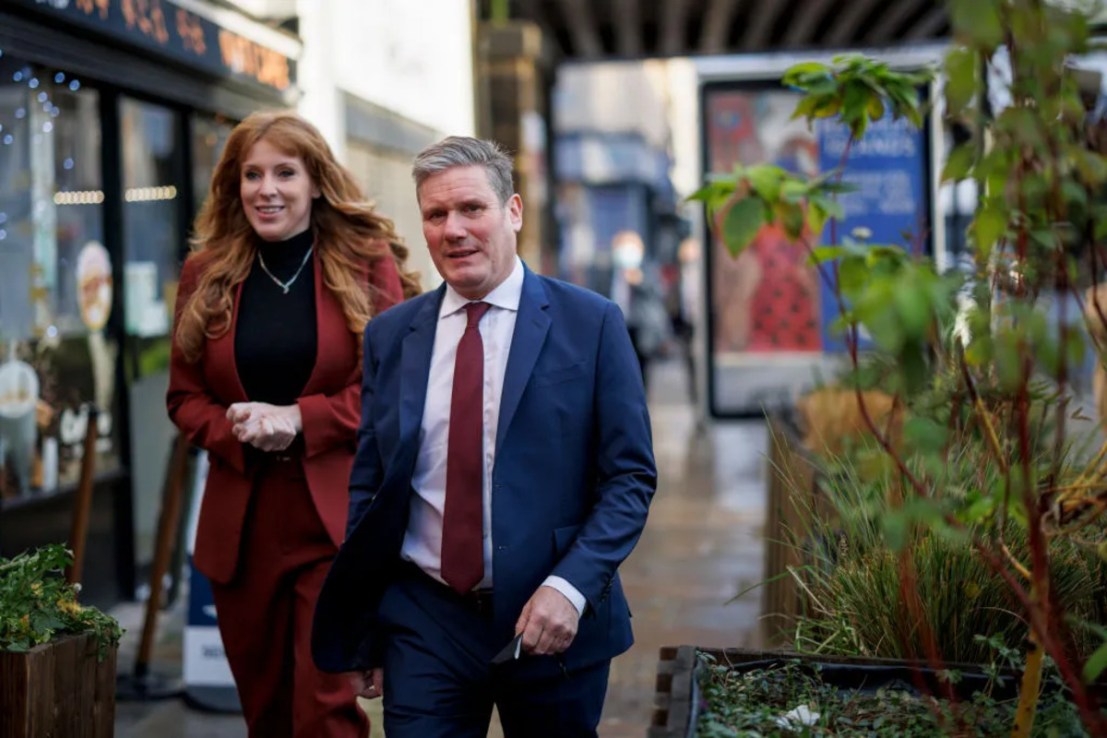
675,711
58,690
793,491
677,696
796,499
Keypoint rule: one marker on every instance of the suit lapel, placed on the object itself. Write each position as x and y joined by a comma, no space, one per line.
335,349
418,346
219,359
531,326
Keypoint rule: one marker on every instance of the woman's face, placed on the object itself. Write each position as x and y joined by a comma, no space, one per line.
276,192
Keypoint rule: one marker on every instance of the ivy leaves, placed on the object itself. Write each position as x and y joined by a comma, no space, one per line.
37,604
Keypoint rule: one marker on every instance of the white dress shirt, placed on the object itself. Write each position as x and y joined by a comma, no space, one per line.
423,539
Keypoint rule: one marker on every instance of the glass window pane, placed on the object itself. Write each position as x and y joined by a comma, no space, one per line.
153,168
56,359
80,216
152,239
209,136
16,226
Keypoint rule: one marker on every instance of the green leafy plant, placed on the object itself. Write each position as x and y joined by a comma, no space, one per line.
978,361
852,563
37,604
794,699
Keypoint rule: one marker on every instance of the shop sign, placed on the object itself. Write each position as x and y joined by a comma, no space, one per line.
178,34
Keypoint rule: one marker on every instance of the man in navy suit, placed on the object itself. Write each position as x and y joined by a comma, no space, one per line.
504,470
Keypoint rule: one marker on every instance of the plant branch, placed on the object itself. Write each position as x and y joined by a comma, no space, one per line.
989,431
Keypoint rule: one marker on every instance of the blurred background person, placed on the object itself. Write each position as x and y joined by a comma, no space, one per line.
686,306
289,263
636,289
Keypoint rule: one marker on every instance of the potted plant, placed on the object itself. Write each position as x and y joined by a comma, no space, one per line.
976,484
57,657
723,693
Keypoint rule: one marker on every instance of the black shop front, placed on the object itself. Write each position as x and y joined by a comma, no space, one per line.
112,116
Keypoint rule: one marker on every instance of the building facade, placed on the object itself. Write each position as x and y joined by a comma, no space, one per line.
382,79
113,114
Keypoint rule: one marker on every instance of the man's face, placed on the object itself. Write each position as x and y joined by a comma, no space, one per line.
470,233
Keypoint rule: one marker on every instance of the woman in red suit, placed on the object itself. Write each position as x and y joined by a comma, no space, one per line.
289,263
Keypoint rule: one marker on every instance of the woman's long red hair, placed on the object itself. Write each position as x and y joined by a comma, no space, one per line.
349,233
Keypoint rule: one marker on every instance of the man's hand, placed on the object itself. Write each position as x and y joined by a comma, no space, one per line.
367,684
548,623
264,426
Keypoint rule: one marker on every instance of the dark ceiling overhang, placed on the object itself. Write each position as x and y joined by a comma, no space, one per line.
587,30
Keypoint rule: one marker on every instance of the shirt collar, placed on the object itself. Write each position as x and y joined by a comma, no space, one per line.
506,295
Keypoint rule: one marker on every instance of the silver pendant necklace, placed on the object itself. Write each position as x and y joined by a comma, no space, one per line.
286,286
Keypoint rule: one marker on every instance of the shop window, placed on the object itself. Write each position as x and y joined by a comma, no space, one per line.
151,220
57,358
209,136
153,241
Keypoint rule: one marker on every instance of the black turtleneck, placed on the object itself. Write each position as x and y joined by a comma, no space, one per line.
275,335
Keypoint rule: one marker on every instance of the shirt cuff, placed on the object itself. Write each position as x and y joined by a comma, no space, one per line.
571,593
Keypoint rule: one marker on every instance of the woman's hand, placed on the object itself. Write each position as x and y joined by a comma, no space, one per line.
368,684
265,427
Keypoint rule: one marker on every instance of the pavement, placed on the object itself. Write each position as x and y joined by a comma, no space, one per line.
703,544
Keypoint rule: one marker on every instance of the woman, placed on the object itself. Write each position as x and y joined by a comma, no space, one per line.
288,265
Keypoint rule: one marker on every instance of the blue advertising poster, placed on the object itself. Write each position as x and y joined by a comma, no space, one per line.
888,167
771,318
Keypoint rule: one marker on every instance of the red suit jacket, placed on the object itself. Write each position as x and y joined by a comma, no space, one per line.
199,394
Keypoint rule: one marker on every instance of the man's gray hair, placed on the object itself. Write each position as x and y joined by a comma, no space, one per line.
464,151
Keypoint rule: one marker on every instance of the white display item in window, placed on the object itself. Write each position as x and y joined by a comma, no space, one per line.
94,285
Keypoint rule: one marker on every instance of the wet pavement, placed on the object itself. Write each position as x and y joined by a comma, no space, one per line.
703,544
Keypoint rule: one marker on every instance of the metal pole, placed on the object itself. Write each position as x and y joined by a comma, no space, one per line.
82,503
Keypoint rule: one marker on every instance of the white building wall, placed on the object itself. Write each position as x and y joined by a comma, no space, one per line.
320,100
614,97
384,53
684,121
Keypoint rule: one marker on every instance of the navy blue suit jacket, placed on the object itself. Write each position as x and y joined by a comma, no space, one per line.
572,482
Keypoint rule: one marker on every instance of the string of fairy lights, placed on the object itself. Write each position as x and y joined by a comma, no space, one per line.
38,84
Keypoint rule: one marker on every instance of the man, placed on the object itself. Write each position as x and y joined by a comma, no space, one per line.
504,471
636,289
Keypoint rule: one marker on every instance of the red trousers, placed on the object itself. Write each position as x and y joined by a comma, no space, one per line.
265,616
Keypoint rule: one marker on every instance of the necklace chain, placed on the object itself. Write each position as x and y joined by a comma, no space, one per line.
286,286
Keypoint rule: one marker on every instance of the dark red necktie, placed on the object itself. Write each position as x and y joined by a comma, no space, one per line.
463,518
